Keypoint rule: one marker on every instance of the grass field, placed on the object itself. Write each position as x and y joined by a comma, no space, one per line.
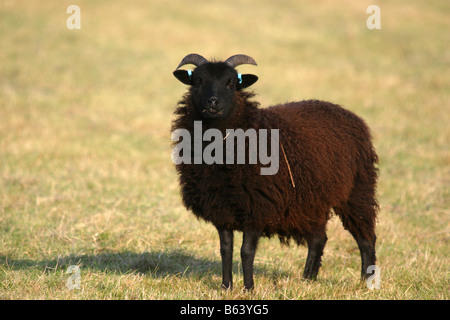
85,172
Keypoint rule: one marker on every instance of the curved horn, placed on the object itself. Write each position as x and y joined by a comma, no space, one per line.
194,59
239,59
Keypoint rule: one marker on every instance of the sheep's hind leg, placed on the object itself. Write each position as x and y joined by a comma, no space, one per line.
316,244
248,251
359,220
368,257
358,216
226,251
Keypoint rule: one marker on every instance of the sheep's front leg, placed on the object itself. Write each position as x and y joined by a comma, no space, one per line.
248,250
226,251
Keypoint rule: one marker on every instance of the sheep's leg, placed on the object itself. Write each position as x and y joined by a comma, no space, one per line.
248,250
363,231
367,250
358,216
226,251
316,244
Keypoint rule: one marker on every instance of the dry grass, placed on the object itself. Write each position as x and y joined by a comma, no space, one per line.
85,171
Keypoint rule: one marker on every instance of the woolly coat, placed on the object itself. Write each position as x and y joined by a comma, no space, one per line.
326,161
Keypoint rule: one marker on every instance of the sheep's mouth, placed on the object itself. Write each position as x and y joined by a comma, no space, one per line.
212,112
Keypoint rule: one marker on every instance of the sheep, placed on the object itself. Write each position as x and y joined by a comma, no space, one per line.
327,164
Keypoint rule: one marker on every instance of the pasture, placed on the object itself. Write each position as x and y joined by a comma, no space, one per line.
86,177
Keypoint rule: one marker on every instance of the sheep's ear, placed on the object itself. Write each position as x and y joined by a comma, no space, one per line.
246,80
184,76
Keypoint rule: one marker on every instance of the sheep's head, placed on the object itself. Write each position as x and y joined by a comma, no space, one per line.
214,84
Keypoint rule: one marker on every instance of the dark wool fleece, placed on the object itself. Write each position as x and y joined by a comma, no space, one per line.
330,155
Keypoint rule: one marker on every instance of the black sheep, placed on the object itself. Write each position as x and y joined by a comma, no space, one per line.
327,162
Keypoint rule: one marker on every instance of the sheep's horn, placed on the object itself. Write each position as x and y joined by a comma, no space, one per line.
194,59
239,59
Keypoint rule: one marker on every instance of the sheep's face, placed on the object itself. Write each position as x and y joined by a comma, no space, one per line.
213,86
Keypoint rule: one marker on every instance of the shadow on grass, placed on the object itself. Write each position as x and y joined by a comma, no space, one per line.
155,264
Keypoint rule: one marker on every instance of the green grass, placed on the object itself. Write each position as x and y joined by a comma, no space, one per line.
85,172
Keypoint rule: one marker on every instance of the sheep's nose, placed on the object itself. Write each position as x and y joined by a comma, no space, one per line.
213,101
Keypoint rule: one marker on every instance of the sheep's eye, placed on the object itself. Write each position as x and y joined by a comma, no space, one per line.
197,83
230,83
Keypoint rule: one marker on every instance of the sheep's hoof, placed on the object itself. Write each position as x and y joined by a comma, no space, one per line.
310,277
227,286
250,289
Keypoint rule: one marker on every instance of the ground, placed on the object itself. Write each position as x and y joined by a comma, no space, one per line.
86,176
